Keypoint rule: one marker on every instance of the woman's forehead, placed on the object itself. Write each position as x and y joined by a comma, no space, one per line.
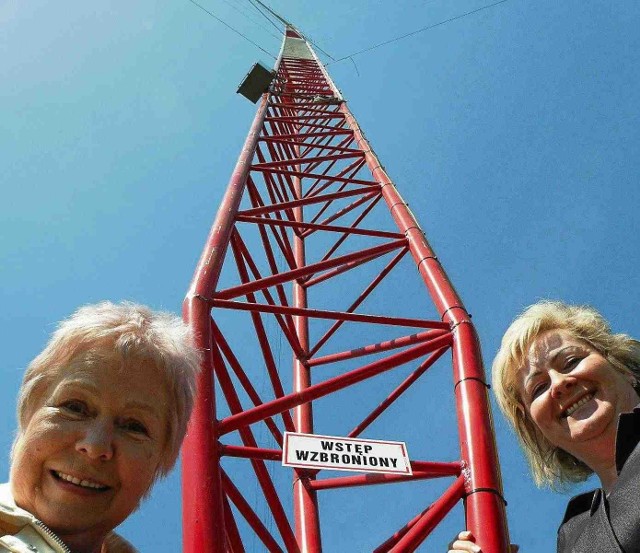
550,344
96,369
545,344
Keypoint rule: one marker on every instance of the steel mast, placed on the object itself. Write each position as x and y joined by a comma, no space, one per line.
304,170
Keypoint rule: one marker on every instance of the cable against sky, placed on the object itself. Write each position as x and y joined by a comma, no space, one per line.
257,3
230,27
246,15
428,27
257,8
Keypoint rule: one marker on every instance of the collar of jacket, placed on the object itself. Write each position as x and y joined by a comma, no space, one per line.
627,437
31,529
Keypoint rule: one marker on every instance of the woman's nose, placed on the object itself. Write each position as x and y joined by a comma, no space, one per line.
560,383
96,441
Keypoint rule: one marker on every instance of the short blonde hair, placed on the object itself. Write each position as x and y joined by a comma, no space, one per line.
129,332
549,464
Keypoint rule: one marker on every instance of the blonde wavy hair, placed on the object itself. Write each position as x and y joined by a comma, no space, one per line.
549,464
125,332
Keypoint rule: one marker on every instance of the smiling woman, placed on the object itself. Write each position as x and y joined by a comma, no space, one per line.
102,412
553,354
569,387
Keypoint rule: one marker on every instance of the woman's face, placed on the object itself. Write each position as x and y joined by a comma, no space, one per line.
91,447
573,394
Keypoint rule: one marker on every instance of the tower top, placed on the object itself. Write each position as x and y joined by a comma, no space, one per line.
295,46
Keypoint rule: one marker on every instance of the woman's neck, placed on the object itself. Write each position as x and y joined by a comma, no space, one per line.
599,455
608,477
83,543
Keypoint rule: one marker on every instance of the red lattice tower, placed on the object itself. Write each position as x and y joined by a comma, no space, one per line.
301,265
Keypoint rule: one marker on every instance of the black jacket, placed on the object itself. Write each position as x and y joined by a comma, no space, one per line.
595,523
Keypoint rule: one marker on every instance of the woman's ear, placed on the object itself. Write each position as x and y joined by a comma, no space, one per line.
520,411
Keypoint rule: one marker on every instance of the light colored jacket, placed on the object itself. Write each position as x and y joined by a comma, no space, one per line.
24,533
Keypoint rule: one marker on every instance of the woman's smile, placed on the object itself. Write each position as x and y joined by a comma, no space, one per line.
75,483
575,408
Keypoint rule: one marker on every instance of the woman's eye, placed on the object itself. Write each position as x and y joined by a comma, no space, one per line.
135,426
75,407
571,363
537,390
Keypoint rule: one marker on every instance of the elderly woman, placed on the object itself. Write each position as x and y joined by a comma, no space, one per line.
568,385
101,414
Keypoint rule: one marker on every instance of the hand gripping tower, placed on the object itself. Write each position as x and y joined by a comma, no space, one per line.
310,229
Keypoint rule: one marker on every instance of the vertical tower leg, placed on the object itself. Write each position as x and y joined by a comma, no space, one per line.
304,497
203,523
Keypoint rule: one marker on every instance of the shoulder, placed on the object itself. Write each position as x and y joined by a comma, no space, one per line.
117,544
576,519
578,505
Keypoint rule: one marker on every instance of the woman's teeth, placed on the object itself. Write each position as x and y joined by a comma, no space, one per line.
572,408
78,482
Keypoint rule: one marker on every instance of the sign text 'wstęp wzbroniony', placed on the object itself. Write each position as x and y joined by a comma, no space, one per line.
334,452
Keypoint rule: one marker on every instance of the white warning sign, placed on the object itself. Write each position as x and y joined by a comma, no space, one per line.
333,452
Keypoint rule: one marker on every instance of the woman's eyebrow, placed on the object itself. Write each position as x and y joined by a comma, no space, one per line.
92,388
551,358
77,383
144,406
563,351
531,376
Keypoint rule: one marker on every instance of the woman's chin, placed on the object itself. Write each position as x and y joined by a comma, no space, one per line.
69,509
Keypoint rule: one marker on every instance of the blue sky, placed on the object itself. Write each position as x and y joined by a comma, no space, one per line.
512,133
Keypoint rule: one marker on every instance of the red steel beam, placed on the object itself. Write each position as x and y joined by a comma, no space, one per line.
347,172
310,145
305,270
245,452
407,539
334,132
372,349
304,160
309,281
298,118
250,516
427,522
434,470
284,319
305,502
307,201
341,212
363,295
201,485
280,238
393,396
262,475
334,384
234,540
321,314
348,232
304,174
327,228
286,322
248,387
